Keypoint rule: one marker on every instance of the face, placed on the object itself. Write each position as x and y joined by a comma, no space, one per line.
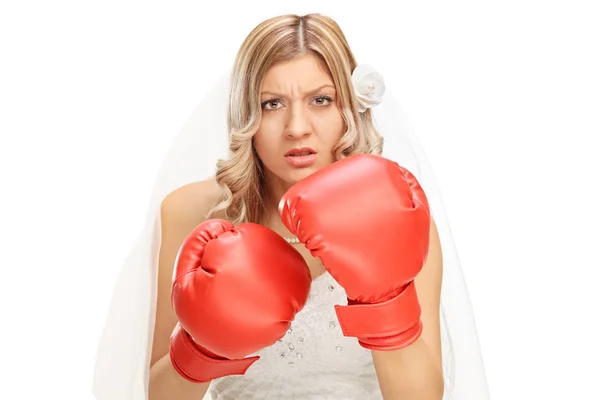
301,121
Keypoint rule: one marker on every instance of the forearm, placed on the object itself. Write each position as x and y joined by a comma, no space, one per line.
410,373
166,383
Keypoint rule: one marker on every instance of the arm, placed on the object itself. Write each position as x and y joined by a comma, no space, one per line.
179,216
415,372
388,261
221,274
167,384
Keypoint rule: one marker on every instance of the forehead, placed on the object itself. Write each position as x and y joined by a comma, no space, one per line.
302,71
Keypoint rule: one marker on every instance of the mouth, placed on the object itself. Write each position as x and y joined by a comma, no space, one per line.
301,157
300,152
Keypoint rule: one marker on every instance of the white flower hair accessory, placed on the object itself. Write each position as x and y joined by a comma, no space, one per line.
368,86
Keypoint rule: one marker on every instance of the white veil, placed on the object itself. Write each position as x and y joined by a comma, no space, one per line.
122,364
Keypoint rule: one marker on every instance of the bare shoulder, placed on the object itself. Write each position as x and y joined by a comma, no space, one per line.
190,204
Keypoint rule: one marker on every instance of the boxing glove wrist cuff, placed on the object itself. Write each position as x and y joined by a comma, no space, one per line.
196,365
391,324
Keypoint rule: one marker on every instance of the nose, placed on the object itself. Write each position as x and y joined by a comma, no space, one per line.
298,123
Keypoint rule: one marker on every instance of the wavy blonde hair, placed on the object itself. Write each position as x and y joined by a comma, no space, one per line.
276,40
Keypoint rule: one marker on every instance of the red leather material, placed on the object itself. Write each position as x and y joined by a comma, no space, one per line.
402,314
235,291
196,365
368,221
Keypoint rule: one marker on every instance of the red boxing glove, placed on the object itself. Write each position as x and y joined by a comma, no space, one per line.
368,221
236,290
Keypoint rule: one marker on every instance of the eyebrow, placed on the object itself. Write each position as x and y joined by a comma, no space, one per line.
309,92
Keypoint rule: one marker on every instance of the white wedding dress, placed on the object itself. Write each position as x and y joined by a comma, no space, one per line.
313,361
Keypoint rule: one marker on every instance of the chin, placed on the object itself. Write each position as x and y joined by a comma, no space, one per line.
293,174
297,175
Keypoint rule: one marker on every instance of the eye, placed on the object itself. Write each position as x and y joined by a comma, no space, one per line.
270,104
323,101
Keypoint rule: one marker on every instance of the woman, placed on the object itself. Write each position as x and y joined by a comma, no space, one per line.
301,127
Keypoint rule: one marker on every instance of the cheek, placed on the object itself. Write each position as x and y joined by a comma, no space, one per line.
266,145
332,128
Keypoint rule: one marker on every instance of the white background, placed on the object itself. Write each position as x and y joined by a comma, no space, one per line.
505,98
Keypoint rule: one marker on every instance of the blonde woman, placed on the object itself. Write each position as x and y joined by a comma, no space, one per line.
309,266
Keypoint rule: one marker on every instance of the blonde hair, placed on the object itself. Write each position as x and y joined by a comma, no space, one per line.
276,40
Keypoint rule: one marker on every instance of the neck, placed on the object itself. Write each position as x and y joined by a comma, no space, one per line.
275,188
